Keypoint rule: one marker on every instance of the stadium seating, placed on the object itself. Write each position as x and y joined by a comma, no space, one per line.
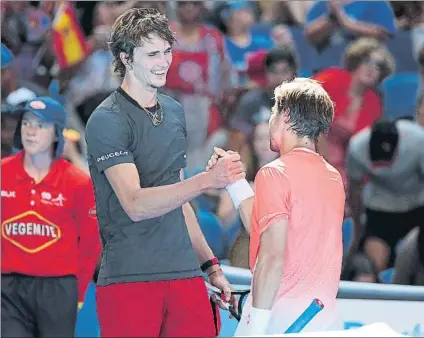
400,93
212,230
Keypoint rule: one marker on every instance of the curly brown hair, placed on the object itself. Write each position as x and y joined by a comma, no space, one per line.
131,28
361,49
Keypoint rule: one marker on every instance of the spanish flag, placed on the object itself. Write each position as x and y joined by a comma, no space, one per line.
69,42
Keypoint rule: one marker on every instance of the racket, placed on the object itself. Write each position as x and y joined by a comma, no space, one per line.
304,319
297,326
236,313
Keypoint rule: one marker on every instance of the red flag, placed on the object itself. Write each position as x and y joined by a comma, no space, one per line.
70,44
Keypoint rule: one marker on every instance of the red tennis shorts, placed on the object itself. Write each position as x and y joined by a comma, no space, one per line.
176,308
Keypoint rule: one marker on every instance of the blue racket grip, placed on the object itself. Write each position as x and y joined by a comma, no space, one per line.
307,315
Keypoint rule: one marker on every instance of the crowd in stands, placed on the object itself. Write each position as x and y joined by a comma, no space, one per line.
229,56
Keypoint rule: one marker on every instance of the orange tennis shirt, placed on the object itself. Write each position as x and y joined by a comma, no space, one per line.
308,191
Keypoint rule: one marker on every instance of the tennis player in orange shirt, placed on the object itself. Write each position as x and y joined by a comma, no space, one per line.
295,217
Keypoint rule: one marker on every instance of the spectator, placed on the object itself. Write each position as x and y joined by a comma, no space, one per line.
390,157
281,36
353,89
359,268
94,77
10,80
291,13
35,59
13,24
9,118
107,12
409,264
197,78
9,121
408,14
11,97
280,65
237,18
332,20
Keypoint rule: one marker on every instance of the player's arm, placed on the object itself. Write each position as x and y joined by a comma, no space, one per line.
205,255
245,210
272,210
201,247
241,193
108,142
89,246
319,25
144,203
270,264
378,30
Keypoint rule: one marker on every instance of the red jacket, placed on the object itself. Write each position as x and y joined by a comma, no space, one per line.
336,82
49,228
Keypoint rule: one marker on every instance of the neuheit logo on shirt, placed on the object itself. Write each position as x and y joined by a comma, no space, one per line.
112,154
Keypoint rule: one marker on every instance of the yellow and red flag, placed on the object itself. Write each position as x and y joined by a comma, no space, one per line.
69,42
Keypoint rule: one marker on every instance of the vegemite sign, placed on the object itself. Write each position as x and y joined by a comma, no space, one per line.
30,232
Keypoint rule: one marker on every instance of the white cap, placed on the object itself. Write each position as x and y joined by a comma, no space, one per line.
20,95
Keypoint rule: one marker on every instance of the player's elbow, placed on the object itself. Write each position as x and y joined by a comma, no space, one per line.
136,214
134,209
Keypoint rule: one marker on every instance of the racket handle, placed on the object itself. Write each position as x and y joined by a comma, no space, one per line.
307,315
234,313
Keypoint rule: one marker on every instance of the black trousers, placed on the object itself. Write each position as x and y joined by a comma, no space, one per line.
391,227
38,306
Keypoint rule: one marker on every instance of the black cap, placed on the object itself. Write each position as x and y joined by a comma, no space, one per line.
383,141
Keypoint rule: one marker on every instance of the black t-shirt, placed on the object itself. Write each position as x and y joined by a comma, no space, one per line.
120,131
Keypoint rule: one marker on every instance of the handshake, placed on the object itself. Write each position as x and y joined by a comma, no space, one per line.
225,170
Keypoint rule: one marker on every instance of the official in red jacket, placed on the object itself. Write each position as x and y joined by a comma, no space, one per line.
50,240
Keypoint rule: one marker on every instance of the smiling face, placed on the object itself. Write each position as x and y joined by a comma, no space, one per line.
151,62
38,136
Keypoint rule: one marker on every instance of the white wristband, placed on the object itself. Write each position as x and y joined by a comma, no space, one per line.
239,191
258,322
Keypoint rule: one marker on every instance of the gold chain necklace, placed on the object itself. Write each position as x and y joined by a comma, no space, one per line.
157,116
